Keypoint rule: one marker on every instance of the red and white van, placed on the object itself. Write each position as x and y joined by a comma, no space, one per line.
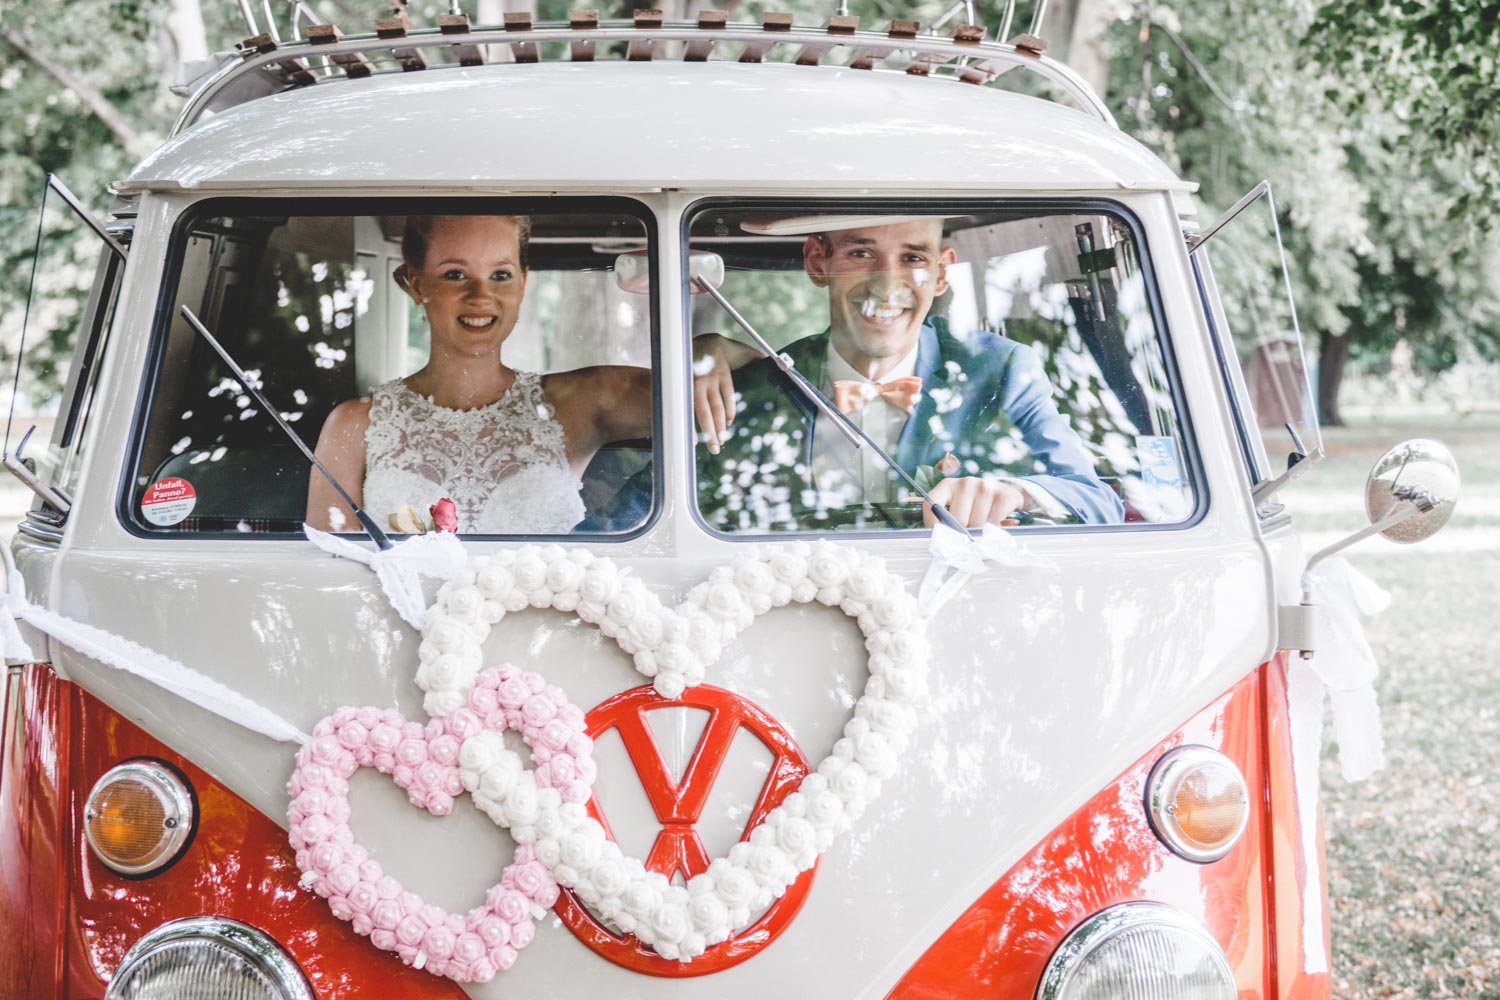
1083,783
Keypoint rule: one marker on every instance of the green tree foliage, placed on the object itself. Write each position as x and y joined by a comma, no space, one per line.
1230,92
1436,65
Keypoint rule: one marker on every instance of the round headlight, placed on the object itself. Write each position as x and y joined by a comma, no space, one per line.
207,958
1197,802
138,817
1138,951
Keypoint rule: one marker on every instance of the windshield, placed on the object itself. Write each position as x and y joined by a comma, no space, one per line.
1003,359
470,351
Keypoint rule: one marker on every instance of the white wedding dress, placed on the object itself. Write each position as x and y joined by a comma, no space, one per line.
503,465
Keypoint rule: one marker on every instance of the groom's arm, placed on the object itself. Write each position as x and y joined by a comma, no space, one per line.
1025,396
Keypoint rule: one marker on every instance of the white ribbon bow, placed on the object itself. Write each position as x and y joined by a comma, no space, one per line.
1343,668
122,654
401,567
964,555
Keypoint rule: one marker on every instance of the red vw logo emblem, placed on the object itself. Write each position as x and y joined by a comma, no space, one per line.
678,806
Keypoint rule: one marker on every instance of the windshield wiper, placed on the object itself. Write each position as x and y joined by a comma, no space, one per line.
852,431
367,522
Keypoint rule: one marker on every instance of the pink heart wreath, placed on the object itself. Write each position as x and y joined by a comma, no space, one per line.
424,762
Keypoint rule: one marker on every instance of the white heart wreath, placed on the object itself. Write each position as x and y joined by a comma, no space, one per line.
674,646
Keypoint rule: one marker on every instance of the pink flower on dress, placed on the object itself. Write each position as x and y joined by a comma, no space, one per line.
444,515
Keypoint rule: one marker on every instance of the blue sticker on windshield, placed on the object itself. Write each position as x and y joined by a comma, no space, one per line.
1158,458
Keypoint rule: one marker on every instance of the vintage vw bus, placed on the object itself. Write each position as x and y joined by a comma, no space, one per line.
1051,761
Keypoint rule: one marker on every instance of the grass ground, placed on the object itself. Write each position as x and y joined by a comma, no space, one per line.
1413,851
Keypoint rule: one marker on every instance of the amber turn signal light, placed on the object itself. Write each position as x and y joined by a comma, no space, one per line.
1197,802
138,817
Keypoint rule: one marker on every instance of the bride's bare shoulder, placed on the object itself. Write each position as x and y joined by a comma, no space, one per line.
347,420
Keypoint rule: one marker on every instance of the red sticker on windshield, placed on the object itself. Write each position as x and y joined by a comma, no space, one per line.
168,501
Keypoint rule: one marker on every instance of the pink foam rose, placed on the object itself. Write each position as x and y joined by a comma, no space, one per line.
343,878
538,711
411,752
352,735
468,948
411,931
386,914
315,829
493,931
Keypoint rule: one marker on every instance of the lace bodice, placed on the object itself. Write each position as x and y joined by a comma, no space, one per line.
502,465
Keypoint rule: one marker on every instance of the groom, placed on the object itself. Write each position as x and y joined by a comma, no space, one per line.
978,411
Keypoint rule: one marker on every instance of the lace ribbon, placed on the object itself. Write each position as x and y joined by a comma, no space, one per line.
401,567
122,654
957,555
1344,669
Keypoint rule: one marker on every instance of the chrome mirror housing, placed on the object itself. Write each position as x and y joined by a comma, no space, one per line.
1419,473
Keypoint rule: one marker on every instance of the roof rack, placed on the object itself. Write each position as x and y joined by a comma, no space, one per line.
396,47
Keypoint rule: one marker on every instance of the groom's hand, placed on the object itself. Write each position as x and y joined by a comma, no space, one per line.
974,501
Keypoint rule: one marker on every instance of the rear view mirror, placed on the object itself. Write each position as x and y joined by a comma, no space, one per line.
1420,473
633,271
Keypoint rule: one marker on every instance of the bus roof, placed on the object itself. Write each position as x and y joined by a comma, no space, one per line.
623,126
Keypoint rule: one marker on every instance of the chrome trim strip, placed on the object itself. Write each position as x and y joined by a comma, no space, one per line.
41,532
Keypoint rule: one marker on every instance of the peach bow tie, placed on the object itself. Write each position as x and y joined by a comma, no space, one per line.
850,395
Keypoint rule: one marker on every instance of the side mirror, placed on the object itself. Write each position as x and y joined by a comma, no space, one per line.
633,271
1419,473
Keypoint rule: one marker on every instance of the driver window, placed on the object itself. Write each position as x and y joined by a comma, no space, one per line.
1008,362
455,364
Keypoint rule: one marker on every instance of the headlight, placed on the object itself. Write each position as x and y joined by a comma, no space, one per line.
207,958
138,817
1197,802
1138,951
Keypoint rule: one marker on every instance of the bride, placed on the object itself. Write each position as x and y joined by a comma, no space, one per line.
507,447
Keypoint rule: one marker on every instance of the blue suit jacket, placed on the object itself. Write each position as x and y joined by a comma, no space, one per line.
985,399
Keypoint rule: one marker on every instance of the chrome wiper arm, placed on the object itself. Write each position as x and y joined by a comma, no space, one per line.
367,522
849,428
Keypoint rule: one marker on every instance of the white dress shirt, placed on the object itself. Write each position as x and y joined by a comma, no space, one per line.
844,475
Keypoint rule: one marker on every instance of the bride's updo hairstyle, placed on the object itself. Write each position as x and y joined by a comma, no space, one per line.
419,227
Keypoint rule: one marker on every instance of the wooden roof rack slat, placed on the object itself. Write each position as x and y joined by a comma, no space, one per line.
582,20
699,49
641,50
964,34
294,70
396,26
354,65
1029,45
521,50
458,24
773,21
867,58
813,53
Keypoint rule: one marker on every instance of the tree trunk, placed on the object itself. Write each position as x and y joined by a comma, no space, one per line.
189,39
1333,356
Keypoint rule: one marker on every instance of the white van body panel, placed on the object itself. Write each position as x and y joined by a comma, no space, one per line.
1045,682
555,126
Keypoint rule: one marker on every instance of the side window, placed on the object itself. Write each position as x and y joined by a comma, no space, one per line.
1240,267
77,267
484,354
1004,358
